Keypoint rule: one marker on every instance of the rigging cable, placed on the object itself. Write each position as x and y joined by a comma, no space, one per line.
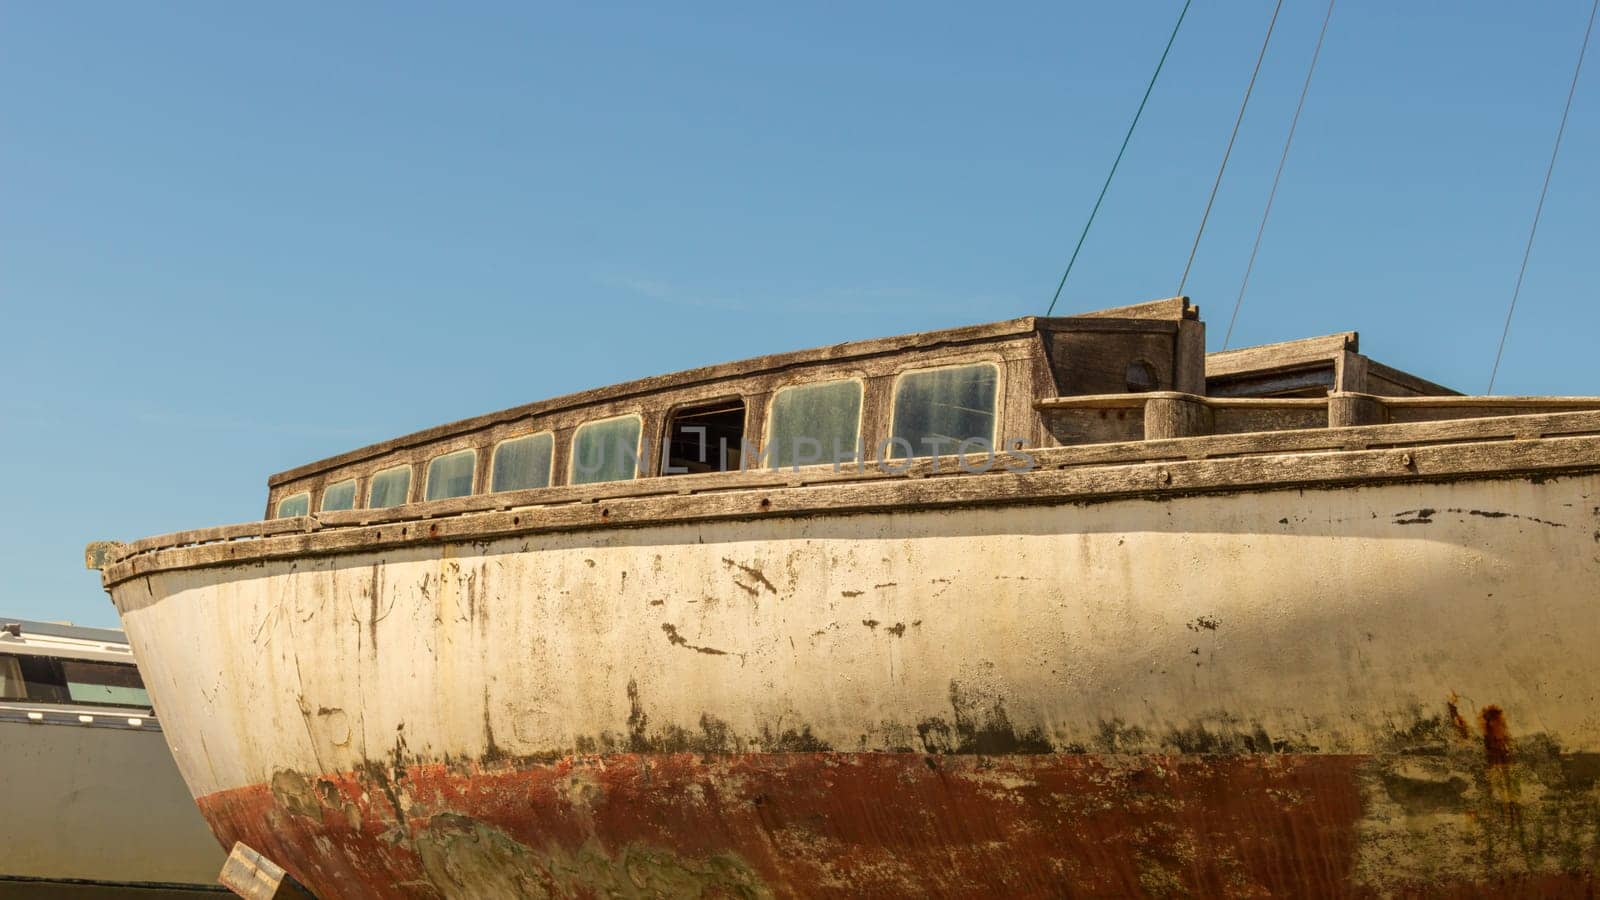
1272,194
1539,209
1126,138
1229,152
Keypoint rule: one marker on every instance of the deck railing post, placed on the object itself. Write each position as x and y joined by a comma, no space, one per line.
1355,409
1174,417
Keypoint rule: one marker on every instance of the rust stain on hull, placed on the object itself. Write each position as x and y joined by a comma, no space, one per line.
833,824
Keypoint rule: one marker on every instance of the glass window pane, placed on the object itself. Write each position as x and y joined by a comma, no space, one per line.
339,496
389,488
828,413
522,463
107,684
294,505
936,409
606,450
11,684
450,475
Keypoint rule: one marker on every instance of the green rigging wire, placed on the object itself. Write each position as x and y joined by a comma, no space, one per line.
1126,138
1229,152
1539,210
1272,194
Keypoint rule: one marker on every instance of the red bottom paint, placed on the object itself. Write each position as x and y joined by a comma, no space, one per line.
831,825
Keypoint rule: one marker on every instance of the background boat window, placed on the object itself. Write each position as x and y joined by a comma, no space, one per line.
828,413
11,684
607,450
391,487
339,496
450,475
522,463
936,409
103,684
705,438
42,681
294,505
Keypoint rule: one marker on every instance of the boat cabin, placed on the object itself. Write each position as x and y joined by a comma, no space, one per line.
984,389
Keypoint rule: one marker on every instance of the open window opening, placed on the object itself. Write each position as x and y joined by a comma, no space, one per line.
705,438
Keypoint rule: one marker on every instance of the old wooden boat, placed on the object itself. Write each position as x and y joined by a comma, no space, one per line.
91,805
1082,611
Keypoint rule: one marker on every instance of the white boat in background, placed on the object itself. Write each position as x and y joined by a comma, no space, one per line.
92,802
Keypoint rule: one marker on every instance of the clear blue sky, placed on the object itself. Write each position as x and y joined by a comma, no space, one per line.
234,239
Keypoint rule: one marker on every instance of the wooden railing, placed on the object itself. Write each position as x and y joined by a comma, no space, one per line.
1160,415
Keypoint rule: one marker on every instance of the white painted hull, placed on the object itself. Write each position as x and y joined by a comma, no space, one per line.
1321,625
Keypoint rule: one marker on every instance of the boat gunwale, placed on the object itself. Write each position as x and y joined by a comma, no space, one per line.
1438,450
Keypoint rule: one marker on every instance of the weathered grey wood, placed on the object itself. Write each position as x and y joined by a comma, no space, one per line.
1283,355
96,553
1268,414
1356,409
1349,371
1190,374
1170,308
1175,417
1389,381
254,877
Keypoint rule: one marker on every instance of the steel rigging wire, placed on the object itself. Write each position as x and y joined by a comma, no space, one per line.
1229,152
1125,139
1539,209
1272,194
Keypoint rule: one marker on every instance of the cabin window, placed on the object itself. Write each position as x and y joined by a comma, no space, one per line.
705,438
103,684
936,409
391,487
12,687
450,475
814,423
294,505
339,496
607,450
522,463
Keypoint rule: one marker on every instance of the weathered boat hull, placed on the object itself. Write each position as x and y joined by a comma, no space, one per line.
1351,691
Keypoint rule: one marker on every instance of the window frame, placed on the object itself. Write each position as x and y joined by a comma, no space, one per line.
277,508
427,474
411,481
999,403
550,471
670,418
355,494
862,445
640,463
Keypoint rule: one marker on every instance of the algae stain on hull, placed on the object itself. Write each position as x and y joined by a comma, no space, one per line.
465,859
1460,804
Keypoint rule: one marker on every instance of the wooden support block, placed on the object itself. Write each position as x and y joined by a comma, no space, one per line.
1175,417
254,877
1345,410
